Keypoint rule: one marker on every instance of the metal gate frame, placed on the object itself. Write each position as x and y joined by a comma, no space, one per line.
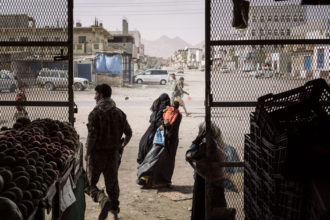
69,56
209,103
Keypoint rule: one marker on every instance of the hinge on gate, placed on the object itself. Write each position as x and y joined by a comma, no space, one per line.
61,57
209,101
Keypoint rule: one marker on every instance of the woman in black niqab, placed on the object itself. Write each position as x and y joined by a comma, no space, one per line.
156,119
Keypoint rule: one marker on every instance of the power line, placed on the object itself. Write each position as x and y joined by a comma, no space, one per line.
137,3
123,14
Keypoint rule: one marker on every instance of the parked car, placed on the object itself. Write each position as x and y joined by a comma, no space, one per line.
180,70
265,72
51,79
224,70
152,76
8,81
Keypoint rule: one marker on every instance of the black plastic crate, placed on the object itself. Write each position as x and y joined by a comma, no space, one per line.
252,154
318,206
309,103
273,157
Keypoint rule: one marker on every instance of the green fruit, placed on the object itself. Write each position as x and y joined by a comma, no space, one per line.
22,182
9,195
18,168
28,167
27,195
20,153
10,185
36,194
10,152
32,162
32,186
22,162
2,184
8,161
29,205
9,210
39,170
7,175
18,192
23,210
21,173
32,173
51,173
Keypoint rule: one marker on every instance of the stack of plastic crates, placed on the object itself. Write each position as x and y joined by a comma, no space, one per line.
319,200
268,193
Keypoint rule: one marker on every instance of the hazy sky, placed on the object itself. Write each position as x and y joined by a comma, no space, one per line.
153,18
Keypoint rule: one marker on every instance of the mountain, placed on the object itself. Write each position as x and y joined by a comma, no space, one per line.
164,46
200,44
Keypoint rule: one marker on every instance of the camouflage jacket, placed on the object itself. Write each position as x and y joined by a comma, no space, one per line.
106,126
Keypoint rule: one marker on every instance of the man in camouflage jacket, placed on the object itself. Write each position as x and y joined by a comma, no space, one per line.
106,126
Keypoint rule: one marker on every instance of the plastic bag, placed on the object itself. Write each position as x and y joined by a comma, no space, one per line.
159,137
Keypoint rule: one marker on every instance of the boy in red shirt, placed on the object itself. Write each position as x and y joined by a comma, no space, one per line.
171,113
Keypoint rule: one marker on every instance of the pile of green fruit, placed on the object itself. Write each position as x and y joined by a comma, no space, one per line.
32,156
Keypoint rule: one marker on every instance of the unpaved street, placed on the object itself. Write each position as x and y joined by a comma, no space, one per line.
149,204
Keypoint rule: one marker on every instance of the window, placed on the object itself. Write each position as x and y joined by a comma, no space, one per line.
288,18
282,32
262,33
320,58
282,18
82,39
253,32
96,46
301,18
275,32
276,18
11,39
147,73
288,32
57,39
262,19
254,18
269,18
63,75
44,39
53,74
79,46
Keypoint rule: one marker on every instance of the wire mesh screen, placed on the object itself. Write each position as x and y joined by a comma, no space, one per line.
8,114
35,48
244,73
34,20
260,20
34,69
255,48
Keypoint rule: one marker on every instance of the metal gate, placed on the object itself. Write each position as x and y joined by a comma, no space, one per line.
36,56
263,54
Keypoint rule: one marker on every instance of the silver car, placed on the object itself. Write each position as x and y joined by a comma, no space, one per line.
7,81
51,79
152,76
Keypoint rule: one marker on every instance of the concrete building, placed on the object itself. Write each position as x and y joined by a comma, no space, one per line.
270,22
26,62
311,60
90,40
194,57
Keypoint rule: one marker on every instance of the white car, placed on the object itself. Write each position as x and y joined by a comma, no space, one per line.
265,72
152,76
51,79
7,81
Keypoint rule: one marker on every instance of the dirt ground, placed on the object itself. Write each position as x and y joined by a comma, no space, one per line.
137,203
